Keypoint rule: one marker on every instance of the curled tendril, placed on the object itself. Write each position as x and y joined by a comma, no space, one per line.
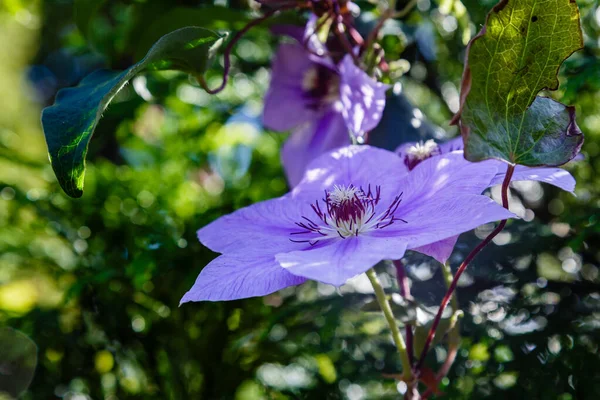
229,49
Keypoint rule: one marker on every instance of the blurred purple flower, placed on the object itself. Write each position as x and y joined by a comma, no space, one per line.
412,154
322,104
350,211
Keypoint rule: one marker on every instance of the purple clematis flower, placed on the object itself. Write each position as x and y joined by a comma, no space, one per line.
412,154
321,103
350,211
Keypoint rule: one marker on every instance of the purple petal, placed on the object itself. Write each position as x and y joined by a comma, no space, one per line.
316,48
257,230
442,217
363,98
310,141
452,145
231,278
554,176
445,175
285,104
441,250
360,166
336,262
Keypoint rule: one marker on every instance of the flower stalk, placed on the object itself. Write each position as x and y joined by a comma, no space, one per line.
389,316
463,267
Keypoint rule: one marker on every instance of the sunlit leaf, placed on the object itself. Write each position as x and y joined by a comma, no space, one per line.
70,122
515,56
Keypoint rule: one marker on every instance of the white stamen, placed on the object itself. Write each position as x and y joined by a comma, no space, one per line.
421,151
348,211
341,193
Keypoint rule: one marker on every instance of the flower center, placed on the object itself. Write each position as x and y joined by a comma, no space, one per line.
321,86
347,211
419,152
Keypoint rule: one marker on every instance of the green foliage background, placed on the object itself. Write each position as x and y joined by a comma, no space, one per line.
95,282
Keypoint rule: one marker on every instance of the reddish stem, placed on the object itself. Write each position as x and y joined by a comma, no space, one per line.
372,37
443,371
341,35
229,48
355,35
463,266
405,293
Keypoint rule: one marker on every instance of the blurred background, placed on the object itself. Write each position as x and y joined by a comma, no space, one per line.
90,287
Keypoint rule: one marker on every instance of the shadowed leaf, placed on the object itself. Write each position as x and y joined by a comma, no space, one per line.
515,56
70,122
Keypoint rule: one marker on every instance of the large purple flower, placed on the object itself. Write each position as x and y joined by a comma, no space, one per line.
321,103
350,211
412,154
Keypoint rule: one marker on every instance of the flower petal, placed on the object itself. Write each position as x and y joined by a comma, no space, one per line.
441,250
554,176
231,278
439,218
362,97
451,145
445,175
310,141
360,166
318,50
285,104
257,230
339,260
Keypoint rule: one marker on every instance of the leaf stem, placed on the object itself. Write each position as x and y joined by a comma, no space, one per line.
389,316
463,267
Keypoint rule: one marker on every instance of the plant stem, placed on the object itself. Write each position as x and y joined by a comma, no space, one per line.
447,273
453,334
509,172
390,12
389,316
405,293
229,49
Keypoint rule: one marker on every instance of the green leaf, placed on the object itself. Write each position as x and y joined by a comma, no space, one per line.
515,56
70,122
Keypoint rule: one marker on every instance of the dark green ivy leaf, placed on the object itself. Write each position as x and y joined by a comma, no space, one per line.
515,56
70,122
